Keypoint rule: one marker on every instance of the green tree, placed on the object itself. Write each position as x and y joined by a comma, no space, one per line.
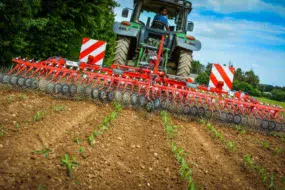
203,78
239,75
209,69
278,95
251,78
40,29
197,67
246,87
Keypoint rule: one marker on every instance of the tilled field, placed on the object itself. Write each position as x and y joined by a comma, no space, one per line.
134,152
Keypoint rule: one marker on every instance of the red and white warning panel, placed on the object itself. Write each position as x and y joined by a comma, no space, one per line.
222,74
93,50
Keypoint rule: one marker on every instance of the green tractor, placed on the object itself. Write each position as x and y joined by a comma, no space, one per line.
139,38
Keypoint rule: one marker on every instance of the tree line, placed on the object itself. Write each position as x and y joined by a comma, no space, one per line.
45,28
246,81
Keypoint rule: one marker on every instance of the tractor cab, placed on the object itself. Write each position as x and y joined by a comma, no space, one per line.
140,30
177,12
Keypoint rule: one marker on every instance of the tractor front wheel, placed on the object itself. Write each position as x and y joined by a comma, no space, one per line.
122,50
184,65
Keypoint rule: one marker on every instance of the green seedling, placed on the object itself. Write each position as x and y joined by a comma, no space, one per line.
58,108
191,185
264,177
45,151
272,186
77,140
76,182
106,121
82,151
171,130
231,146
217,134
96,133
260,170
10,99
91,139
103,128
69,164
113,115
277,151
265,144
3,130
24,96
41,187
173,147
118,107
209,126
222,137
17,126
203,121
240,129
40,115
184,171
248,161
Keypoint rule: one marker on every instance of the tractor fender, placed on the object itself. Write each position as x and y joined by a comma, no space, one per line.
123,30
194,45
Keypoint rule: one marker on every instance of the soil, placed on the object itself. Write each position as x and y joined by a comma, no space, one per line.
133,153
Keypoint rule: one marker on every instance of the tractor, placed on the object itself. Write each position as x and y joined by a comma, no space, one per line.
138,39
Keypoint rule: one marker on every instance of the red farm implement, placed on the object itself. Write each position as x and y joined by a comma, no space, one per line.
147,86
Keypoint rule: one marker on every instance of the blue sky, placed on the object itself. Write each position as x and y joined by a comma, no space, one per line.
250,33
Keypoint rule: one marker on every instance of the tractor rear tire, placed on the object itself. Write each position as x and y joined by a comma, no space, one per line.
122,50
184,65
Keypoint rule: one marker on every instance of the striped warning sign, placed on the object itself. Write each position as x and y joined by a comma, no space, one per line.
223,74
94,48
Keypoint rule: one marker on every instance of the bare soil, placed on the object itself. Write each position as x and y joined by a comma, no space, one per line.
134,153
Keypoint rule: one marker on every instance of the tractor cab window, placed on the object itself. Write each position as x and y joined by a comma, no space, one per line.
146,18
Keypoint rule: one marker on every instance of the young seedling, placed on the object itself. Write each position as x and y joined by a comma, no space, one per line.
10,99
171,130
265,144
82,151
69,164
272,186
3,130
240,129
17,126
277,151
203,121
24,96
41,187
77,140
184,171
248,161
40,115
45,151
58,108
231,146
118,107
91,139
